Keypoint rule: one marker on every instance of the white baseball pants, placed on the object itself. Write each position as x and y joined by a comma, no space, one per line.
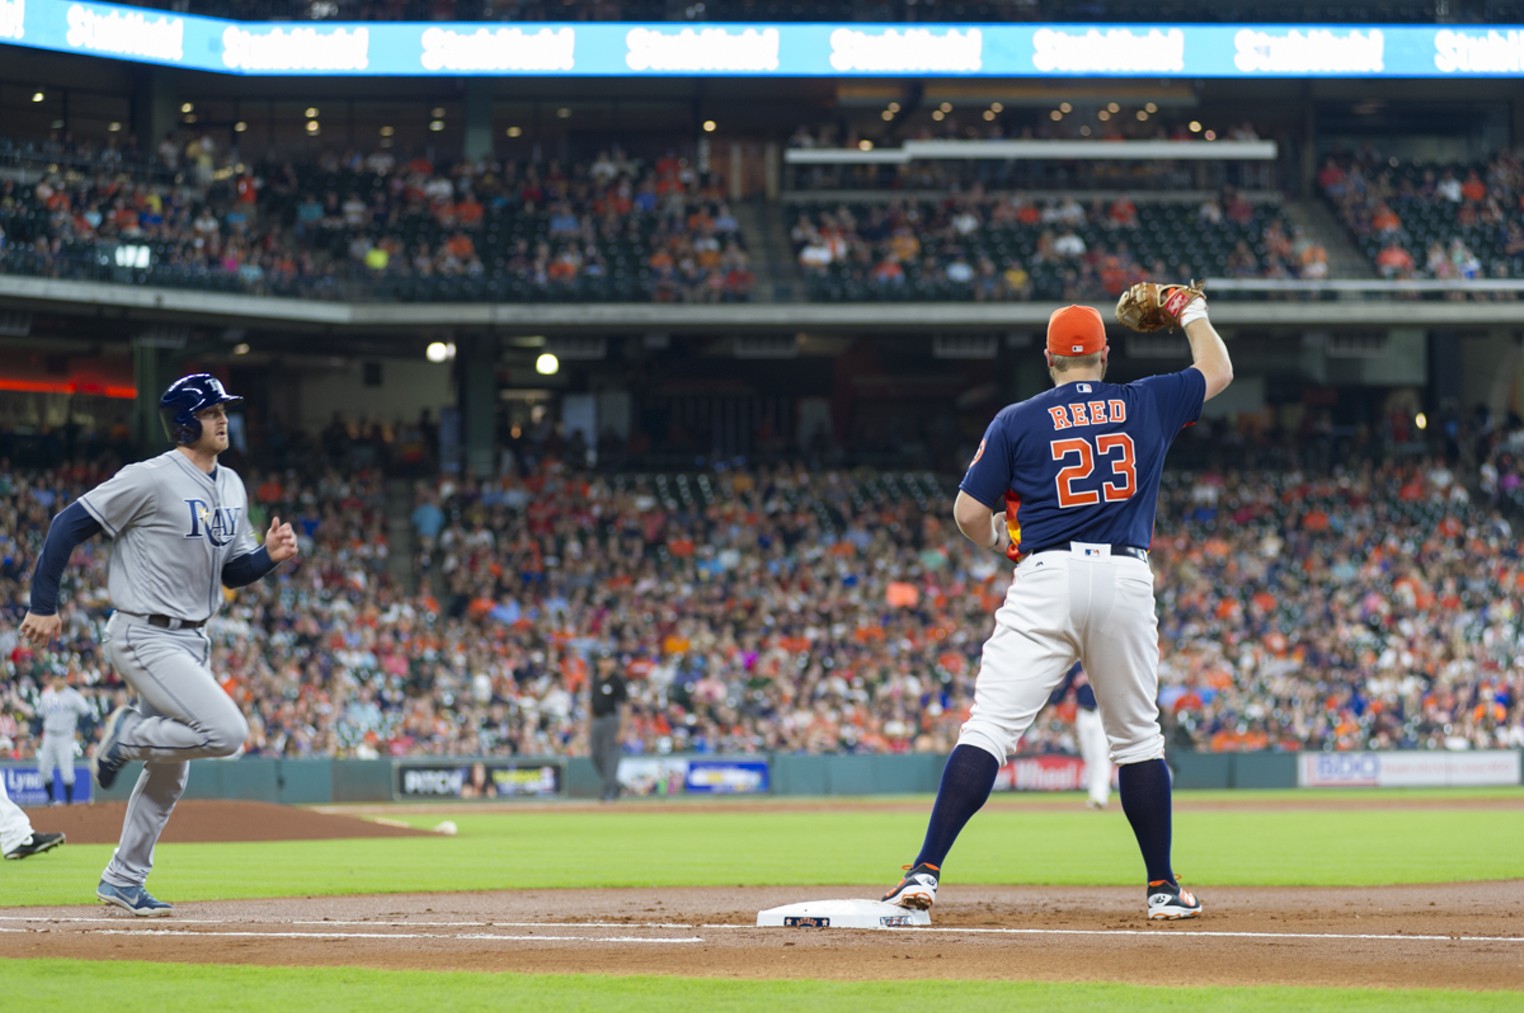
183,714
15,828
56,753
1065,605
1091,733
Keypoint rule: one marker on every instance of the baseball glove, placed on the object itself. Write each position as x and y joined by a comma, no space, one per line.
1149,306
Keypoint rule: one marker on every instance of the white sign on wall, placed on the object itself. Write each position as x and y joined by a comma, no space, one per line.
1414,769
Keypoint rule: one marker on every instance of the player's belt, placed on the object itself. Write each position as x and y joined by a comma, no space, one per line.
1116,550
169,622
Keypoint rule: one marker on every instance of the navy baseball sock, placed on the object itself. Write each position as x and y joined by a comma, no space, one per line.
1146,801
966,783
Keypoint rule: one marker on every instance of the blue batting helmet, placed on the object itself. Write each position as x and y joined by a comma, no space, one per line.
184,398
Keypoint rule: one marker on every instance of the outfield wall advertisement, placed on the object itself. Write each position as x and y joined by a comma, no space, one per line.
24,785
655,49
1041,773
1409,769
665,776
480,779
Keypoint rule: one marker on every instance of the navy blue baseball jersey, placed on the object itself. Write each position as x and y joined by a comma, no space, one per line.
1081,462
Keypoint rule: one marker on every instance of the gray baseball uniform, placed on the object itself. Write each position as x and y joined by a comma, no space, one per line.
173,528
61,711
15,828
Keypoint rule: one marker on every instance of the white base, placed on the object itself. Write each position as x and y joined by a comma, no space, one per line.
841,914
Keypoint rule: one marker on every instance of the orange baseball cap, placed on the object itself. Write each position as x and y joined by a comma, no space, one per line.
1076,330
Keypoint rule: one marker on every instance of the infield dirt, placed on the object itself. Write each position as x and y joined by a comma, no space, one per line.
1467,935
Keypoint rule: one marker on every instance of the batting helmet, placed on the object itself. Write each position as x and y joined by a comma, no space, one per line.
184,398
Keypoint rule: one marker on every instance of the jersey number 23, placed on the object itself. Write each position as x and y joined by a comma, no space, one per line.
1115,451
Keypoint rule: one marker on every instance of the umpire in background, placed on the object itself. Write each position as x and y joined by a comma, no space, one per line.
607,689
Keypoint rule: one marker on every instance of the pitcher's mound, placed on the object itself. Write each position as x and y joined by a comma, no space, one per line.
203,821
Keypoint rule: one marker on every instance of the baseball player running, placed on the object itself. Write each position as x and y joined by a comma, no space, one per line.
61,707
17,838
1090,733
1066,484
179,533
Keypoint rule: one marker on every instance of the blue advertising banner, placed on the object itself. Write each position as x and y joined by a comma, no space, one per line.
24,785
657,49
727,777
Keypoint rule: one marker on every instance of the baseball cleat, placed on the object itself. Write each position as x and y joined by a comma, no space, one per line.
918,890
134,899
107,761
1170,902
35,845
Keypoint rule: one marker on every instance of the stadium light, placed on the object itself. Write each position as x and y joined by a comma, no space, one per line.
547,364
710,126
439,351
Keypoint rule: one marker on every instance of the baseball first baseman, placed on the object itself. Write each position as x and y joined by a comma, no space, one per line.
178,525
1066,485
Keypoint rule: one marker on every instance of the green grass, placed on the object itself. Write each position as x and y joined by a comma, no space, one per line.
150,987
1014,841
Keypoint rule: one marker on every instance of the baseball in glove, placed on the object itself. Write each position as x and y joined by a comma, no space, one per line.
1149,306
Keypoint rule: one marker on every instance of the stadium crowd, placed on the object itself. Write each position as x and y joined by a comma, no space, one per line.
1331,597
1418,220
974,246
611,227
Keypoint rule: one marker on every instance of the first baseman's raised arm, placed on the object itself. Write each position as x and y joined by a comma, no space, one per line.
1209,354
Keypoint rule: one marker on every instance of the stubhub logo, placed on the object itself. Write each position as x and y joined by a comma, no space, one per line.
125,33
717,50
12,19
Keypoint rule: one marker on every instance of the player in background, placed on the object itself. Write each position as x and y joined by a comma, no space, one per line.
17,838
178,525
61,707
1090,733
1066,484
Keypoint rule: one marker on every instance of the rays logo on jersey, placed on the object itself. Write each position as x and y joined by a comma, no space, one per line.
221,525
